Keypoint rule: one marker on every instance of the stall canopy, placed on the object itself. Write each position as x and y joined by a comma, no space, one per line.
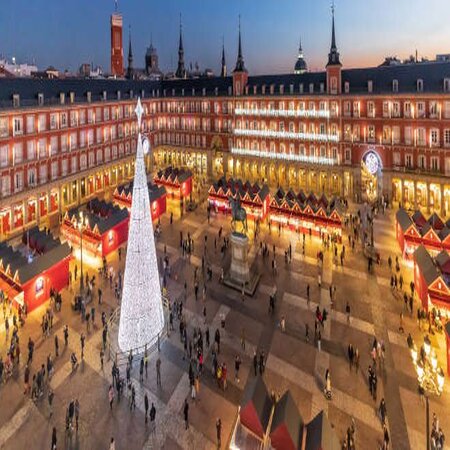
178,181
287,425
256,406
320,435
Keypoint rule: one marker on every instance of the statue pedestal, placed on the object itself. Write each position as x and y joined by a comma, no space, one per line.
239,270
239,275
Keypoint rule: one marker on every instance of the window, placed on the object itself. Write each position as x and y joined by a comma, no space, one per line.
18,181
73,141
333,85
42,123
371,133
347,132
347,87
6,185
311,88
17,153
105,113
408,135
31,177
53,121
82,117
54,145
386,134
31,150
4,155
422,162
370,109
433,109
347,108
348,155
370,86
30,125
74,164
83,162
434,137
420,109
63,120
395,134
42,148
435,163
396,109
43,173
447,166
409,161
386,109
356,109
41,99
447,137
394,85
64,167
16,101
407,109
396,158
421,136
73,118
91,159
419,85
54,170
4,127
90,115
99,156
18,126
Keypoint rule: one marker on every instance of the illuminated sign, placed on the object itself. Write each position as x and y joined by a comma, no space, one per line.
371,162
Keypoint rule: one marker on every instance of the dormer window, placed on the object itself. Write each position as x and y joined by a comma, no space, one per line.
173,92
300,88
394,85
447,84
104,96
89,96
164,92
419,85
347,87
271,89
370,86
182,92
72,97
322,88
281,88
204,92
193,91
216,91
62,98
291,89
230,91
41,99
311,88
263,89
131,93
142,93
16,101
255,89
119,95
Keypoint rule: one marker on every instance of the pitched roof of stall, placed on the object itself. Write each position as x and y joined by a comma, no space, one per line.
426,264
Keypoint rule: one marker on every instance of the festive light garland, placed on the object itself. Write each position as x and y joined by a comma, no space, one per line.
141,312
283,156
325,114
287,135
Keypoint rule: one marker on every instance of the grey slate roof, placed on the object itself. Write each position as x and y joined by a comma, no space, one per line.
426,264
403,219
320,434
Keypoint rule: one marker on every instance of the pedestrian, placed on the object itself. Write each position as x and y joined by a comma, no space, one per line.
347,311
77,413
66,335
111,396
82,339
112,444
219,432
133,398
146,406
158,372
255,362
319,341
319,280
382,411
56,345
237,365
152,417
50,397
54,440
141,370
186,413
283,324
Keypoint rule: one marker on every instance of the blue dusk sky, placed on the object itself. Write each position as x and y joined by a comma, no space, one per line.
66,33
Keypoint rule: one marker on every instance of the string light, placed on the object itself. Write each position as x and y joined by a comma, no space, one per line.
287,135
283,156
283,112
141,312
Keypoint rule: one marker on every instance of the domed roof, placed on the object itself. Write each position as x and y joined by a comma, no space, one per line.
300,65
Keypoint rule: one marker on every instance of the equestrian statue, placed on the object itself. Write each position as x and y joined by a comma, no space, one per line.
238,214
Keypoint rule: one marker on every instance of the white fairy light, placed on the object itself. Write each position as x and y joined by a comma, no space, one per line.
141,311
287,135
321,113
283,156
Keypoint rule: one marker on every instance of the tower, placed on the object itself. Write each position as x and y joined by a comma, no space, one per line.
116,44
130,70
300,65
223,70
181,71
240,74
141,310
334,66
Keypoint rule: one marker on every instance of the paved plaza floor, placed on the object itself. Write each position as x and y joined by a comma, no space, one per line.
292,362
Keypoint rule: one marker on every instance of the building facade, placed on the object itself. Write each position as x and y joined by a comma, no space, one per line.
358,133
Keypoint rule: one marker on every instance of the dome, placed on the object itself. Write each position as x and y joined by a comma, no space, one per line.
300,65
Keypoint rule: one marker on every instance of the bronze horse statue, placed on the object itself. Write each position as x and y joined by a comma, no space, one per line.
238,213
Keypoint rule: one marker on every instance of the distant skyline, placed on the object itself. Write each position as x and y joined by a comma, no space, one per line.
67,33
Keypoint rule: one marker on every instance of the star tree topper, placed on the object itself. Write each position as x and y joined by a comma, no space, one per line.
139,110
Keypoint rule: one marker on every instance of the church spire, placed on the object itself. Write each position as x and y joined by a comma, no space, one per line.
181,71
240,66
130,71
333,56
300,65
223,71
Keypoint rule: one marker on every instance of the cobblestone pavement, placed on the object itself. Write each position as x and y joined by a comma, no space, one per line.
292,362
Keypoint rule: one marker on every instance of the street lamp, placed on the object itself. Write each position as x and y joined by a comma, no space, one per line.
80,224
429,375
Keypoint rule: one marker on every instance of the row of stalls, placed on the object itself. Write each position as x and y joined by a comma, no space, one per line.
266,423
298,211
123,197
414,230
29,271
102,226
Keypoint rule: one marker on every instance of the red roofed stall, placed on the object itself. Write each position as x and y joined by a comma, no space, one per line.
158,198
28,274
254,199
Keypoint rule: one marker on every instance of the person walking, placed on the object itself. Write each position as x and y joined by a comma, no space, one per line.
50,397
186,414
54,440
153,417
133,398
255,362
146,406
111,396
82,339
237,365
219,432
382,411
141,370
158,372
77,413
112,444
347,312
56,345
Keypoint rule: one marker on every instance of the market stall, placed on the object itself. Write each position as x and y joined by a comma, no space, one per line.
158,203
320,434
27,274
254,199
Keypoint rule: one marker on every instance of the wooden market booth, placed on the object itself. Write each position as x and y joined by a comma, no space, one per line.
254,199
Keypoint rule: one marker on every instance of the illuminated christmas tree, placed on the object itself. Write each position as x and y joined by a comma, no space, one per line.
141,311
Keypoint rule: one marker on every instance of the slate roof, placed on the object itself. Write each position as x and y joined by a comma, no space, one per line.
426,264
403,219
432,73
320,434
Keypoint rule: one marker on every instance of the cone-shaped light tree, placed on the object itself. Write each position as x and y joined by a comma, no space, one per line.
141,311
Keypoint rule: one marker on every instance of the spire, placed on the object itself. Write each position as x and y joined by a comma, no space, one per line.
300,65
333,56
141,310
223,71
181,71
240,66
130,71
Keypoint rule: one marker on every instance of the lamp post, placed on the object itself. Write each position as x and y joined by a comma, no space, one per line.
81,224
429,375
